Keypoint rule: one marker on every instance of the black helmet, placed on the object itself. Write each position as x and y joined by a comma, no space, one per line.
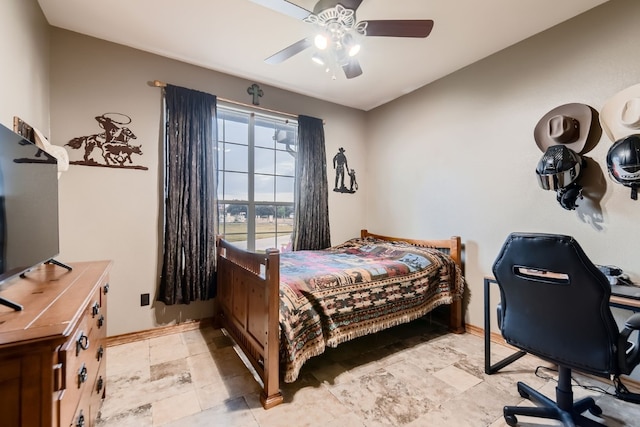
568,196
558,167
623,163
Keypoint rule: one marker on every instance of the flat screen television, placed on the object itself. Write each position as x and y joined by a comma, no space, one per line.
28,206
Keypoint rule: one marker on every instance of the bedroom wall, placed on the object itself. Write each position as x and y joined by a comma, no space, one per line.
458,157
455,157
113,213
24,74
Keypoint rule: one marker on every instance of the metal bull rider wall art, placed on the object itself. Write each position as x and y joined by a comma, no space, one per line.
111,147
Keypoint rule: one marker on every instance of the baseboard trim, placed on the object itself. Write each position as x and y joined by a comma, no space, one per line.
495,337
159,331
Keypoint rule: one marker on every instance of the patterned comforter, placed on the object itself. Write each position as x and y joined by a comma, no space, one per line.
357,288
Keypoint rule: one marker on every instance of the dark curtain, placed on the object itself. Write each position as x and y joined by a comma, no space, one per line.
311,223
190,217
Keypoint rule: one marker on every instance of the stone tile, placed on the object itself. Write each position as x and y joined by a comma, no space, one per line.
197,341
203,370
617,412
423,384
228,363
175,407
211,394
172,368
135,417
479,406
381,397
349,420
457,378
167,348
128,396
331,373
222,342
433,355
212,367
309,407
234,412
129,360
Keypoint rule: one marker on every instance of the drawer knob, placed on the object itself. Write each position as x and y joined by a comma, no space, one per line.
95,309
82,375
80,422
100,384
100,353
100,321
105,289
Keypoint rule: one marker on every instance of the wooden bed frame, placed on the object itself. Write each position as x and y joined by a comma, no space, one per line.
248,304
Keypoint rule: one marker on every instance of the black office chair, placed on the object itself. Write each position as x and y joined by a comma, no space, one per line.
555,305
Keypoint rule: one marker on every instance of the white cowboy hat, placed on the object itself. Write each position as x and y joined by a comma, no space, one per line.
60,153
568,125
620,115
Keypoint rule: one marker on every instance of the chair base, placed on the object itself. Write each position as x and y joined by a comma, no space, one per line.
565,410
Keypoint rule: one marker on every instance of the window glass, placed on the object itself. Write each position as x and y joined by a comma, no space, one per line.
256,172
236,186
265,161
236,157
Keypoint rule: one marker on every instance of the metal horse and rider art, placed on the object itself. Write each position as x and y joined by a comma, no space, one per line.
111,147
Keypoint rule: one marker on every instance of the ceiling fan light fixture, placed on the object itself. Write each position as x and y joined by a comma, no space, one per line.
354,50
321,41
350,44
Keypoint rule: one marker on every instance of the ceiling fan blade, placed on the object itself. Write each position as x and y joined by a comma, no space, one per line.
351,4
285,7
328,4
289,51
352,68
400,28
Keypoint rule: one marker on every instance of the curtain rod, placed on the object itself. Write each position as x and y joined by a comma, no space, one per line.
158,83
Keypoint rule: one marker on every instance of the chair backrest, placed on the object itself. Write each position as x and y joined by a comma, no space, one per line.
555,302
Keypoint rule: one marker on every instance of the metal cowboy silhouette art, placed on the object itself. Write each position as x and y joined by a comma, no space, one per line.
111,147
342,168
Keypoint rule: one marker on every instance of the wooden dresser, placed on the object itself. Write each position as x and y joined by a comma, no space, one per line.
52,353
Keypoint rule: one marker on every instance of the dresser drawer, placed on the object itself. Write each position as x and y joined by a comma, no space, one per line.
82,361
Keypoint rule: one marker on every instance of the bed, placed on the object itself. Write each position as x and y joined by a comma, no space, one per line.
282,309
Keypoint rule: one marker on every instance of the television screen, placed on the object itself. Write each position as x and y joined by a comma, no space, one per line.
28,205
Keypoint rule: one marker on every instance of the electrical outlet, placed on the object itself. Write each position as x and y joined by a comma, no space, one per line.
144,299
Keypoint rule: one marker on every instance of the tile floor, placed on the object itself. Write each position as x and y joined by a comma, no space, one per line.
411,375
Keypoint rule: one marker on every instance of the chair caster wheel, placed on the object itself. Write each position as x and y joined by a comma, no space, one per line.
595,410
511,420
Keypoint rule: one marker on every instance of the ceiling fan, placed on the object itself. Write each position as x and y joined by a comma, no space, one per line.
338,34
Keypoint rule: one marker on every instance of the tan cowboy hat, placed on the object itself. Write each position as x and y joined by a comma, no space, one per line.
620,115
568,125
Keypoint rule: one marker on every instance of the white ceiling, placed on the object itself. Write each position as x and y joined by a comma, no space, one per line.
235,36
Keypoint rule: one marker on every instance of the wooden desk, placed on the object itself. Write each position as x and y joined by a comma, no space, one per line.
614,301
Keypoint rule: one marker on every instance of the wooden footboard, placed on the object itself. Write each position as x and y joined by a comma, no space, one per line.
247,304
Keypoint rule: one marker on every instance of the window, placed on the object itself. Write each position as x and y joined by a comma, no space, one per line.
256,173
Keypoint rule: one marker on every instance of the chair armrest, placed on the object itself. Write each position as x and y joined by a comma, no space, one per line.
629,353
